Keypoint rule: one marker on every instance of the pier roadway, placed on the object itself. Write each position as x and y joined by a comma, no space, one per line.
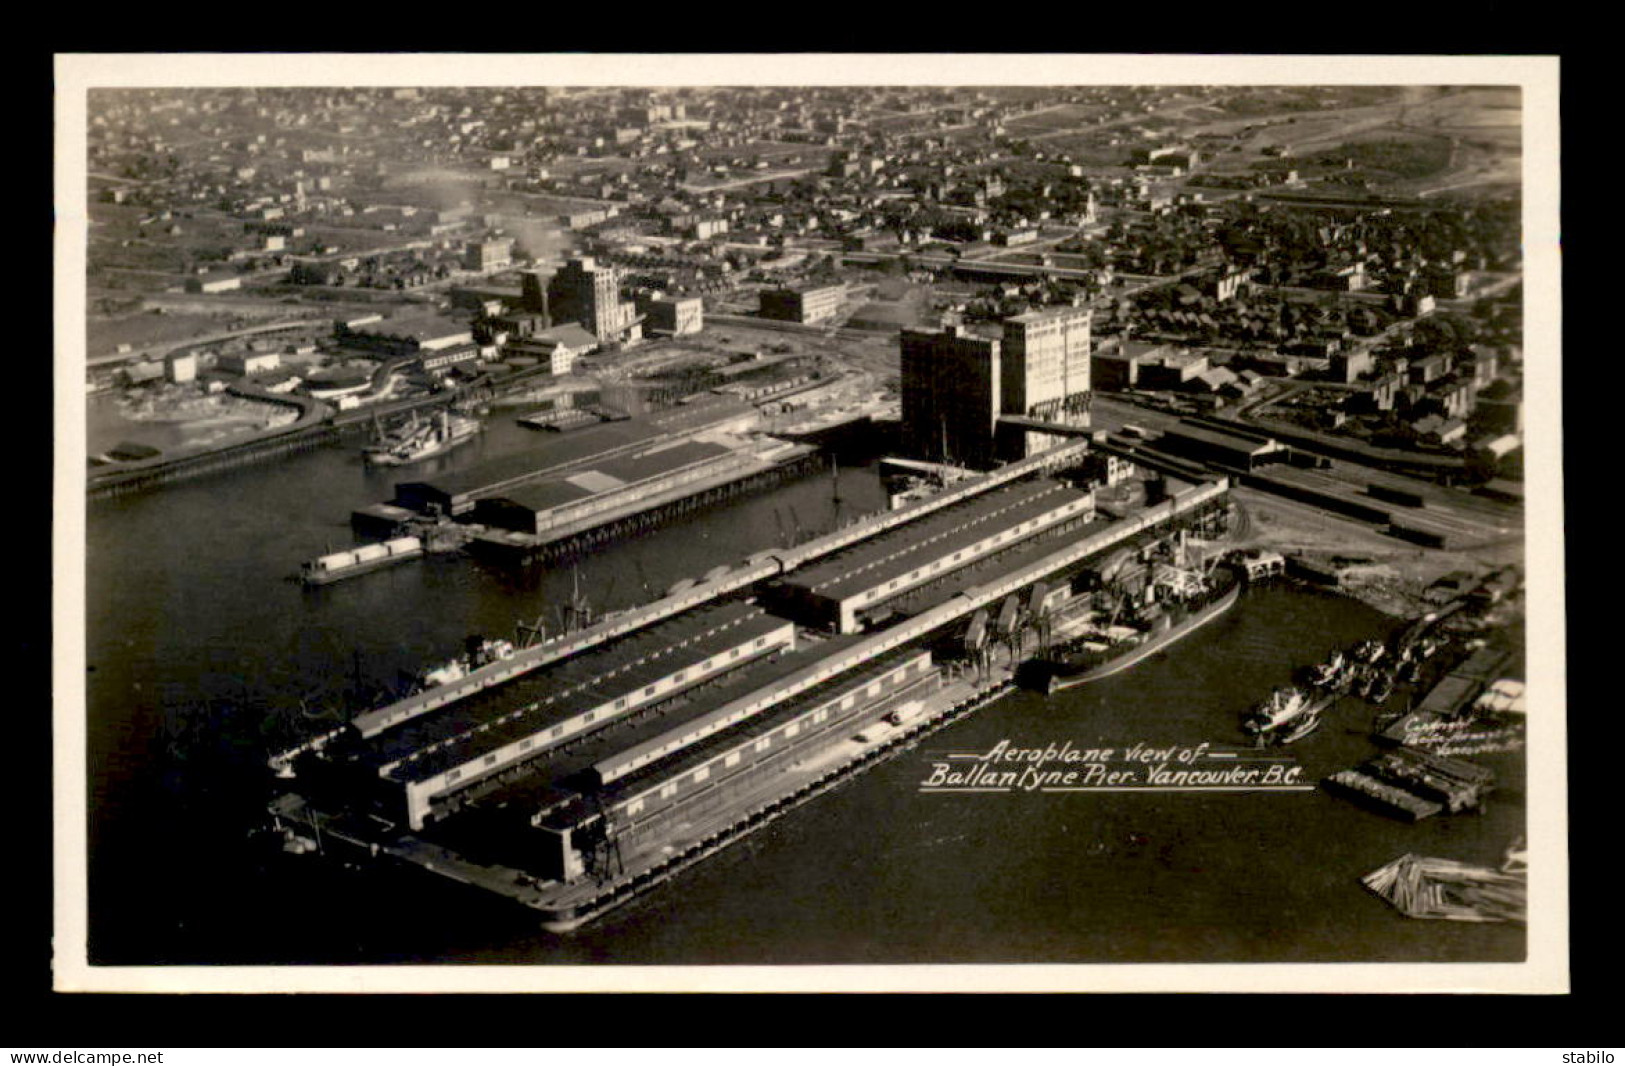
757,568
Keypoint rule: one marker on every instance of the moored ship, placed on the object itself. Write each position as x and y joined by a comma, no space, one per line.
419,439
1191,599
339,565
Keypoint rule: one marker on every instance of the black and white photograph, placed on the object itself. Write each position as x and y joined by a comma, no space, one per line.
806,522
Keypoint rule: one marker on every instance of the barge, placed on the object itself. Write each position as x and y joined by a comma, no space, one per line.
337,566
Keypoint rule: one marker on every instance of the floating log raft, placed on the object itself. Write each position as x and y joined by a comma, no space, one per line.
1422,887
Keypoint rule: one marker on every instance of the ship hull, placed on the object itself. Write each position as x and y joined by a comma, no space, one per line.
402,455
1055,677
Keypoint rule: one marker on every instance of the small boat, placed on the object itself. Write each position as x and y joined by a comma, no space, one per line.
1305,725
1369,651
1329,673
1289,714
1383,688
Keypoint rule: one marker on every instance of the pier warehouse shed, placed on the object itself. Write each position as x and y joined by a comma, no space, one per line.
851,587
647,792
422,762
539,507
1235,449
455,492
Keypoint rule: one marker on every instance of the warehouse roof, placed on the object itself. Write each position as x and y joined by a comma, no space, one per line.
608,476
969,533
618,657
539,784
419,327
918,540
829,689
551,452
588,692
1217,439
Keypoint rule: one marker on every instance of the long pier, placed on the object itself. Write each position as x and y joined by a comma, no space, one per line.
645,519
758,567
565,906
182,468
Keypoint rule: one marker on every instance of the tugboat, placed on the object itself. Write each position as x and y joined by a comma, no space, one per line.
479,652
1329,674
1289,715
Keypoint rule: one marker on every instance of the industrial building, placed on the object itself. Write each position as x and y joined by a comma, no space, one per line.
489,255
951,391
806,304
453,493
248,364
537,508
533,294
1043,373
443,359
589,294
180,367
559,347
406,335
676,316
957,386
1235,449
209,283
851,587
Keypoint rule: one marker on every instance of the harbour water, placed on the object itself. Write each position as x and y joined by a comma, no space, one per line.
202,655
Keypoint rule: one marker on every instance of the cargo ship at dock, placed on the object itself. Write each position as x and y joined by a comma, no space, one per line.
418,439
1175,604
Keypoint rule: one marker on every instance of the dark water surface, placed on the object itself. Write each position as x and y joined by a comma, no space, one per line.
201,651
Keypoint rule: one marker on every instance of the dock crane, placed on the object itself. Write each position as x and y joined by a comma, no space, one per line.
532,634
603,857
835,490
643,580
